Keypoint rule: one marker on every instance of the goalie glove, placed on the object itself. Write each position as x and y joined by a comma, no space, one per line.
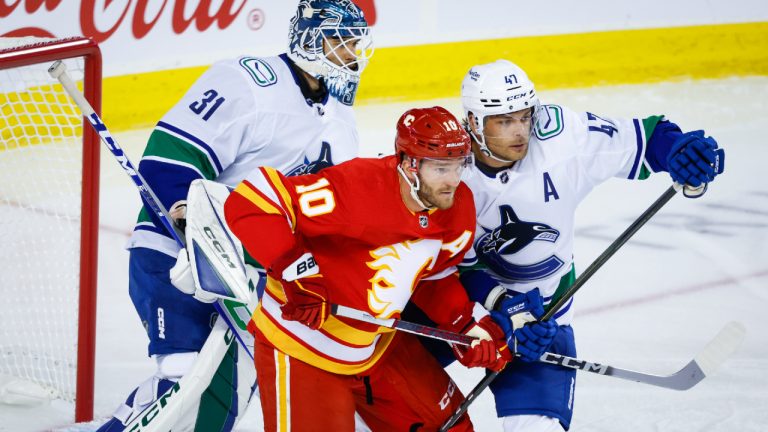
178,213
518,317
307,298
489,350
184,281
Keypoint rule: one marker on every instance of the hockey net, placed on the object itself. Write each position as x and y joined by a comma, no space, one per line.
49,217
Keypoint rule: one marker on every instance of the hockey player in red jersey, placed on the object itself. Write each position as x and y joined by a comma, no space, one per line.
370,234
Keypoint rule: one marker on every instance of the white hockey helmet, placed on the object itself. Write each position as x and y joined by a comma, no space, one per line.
495,88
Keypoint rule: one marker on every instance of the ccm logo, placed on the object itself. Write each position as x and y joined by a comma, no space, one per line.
219,248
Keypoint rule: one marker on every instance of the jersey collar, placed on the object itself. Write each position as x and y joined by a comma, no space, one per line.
311,97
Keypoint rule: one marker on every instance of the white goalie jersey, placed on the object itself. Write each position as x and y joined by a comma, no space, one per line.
524,236
239,115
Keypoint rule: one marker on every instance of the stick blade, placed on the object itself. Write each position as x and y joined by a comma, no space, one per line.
721,347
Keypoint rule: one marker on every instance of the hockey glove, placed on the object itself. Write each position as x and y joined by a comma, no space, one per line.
517,316
178,214
695,160
182,278
307,298
489,350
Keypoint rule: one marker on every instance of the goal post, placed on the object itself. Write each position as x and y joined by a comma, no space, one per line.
49,207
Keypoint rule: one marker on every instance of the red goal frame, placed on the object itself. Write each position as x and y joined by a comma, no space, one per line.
50,51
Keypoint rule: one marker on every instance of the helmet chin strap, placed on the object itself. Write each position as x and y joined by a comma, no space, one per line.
414,188
485,150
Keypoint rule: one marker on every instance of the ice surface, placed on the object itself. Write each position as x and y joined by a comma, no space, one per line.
695,266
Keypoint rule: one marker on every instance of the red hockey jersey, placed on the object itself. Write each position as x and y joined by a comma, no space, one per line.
373,254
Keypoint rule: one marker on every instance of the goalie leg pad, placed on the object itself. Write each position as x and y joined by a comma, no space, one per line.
170,368
139,399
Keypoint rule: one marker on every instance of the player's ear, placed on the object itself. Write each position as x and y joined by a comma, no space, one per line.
406,165
472,121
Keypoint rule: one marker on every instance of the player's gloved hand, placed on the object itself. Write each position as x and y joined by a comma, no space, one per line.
489,350
517,316
303,286
182,278
178,213
695,160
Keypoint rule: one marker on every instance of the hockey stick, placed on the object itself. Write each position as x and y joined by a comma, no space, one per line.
704,364
409,327
568,294
225,310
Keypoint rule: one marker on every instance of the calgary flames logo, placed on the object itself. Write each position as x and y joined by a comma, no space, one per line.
397,268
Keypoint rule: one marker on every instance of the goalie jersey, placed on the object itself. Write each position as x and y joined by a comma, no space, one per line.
240,114
372,252
525,223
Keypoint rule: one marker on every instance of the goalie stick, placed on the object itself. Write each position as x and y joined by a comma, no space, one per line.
226,309
704,364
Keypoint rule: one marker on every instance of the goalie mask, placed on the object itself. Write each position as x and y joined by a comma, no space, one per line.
330,39
493,89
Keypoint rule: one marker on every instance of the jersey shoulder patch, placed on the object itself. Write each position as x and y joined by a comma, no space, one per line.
550,122
259,70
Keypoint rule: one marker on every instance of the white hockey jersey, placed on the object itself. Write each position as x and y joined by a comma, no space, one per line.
239,115
524,237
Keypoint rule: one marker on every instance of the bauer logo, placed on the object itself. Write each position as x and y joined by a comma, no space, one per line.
259,70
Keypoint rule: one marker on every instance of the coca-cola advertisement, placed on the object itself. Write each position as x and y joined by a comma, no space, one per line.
145,35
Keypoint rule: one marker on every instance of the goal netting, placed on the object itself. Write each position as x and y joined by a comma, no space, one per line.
48,214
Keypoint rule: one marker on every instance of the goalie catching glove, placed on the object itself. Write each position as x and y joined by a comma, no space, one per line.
517,316
490,349
307,298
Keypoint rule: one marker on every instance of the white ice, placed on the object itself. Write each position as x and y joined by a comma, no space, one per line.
695,266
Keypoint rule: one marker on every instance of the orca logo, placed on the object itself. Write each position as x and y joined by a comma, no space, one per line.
509,238
312,167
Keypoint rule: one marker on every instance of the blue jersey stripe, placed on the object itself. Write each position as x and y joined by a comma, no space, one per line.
195,140
639,153
564,309
152,228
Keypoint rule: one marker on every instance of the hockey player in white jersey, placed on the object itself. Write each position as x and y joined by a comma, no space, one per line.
534,163
292,112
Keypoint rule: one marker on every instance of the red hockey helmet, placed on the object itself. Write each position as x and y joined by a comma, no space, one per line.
431,133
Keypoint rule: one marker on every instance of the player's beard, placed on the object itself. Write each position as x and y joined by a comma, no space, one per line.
440,197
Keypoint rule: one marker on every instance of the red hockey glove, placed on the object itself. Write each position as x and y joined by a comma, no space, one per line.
489,350
303,286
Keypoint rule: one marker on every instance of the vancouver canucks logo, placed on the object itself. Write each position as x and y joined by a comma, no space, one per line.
313,167
497,245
